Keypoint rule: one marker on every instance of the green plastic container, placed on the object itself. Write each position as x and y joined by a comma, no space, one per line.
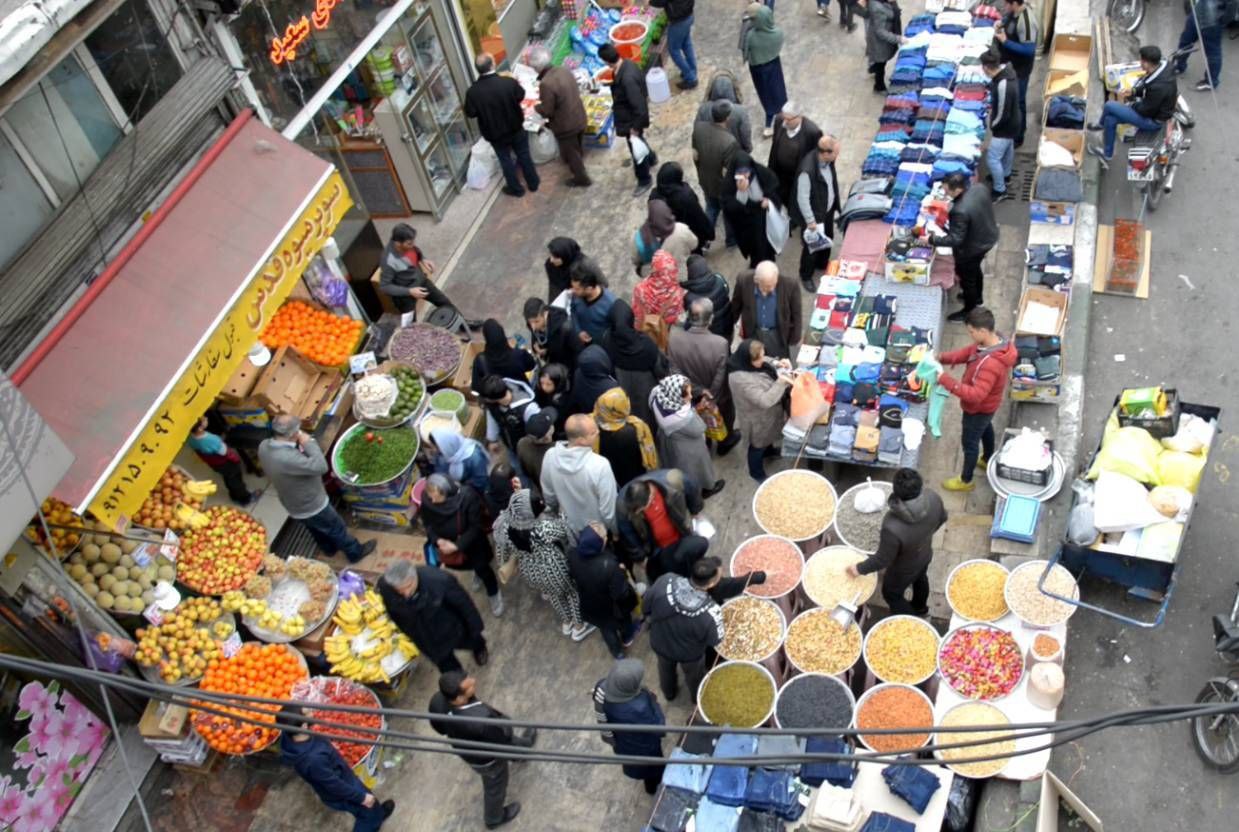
451,401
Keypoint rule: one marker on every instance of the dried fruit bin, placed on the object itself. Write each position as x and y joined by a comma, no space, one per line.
915,699
763,685
788,519
913,669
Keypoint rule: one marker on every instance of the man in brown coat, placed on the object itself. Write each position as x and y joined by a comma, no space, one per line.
701,357
560,104
767,304
714,147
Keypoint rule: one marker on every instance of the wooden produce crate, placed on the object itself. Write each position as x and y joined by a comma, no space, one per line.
1069,64
291,383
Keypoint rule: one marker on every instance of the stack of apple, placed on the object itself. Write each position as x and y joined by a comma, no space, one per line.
222,555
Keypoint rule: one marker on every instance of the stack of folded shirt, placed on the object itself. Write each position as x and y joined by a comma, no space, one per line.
896,117
929,131
944,47
1049,266
842,430
940,73
1039,358
971,75
868,437
936,95
934,110
946,164
919,153
953,22
883,158
961,120
901,101
985,15
919,23
890,446
962,146
912,181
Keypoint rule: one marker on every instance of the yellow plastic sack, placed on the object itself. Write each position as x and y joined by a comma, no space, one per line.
1178,468
1129,451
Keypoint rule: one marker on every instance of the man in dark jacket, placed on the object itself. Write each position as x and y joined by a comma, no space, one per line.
972,232
404,272
987,363
622,699
702,281
708,575
767,304
794,136
714,148
607,596
1016,35
457,697
551,336
318,763
1153,99
699,352
685,622
654,514
495,101
1004,123
431,608
630,107
680,39
815,207
559,102
905,546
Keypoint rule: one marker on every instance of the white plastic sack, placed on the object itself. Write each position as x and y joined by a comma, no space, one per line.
869,499
564,301
778,227
483,165
543,147
1121,504
639,148
1027,451
1194,435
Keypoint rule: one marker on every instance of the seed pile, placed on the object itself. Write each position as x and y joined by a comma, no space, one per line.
894,706
1031,604
817,644
902,649
736,694
976,713
431,349
981,662
810,701
780,560
795,504
860,531
752,629
975,590
827,582
1045,646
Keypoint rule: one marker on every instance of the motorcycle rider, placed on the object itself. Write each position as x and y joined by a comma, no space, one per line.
1152,104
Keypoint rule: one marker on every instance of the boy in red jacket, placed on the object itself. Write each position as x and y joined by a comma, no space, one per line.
987,366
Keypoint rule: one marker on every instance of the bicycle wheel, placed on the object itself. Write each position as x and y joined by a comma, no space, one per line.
1216,738
1126,14
1156,188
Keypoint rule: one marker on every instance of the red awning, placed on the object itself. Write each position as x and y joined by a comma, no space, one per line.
98,385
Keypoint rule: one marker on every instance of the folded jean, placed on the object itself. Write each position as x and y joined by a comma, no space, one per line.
913,784
673,811
890,445
711,815
1059,185
882,822
691,778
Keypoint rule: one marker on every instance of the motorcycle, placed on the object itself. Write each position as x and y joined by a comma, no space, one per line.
1126,14
1154,160
1216,737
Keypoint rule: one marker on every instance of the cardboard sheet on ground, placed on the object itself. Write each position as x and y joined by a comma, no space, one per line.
1101,265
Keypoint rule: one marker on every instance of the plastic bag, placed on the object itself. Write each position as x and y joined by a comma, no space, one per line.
869,499
1173,501
778,227
1129,451
1178,468
1194,436
961,804
483,165
808,404
639,149
1081,530
1122,504
543,147
1027,451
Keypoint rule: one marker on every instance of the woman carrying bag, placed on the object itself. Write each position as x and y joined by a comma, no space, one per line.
537,545
682,433
456,533
750,192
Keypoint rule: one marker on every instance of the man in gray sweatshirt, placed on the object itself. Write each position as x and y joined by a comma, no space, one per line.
577,481
295,465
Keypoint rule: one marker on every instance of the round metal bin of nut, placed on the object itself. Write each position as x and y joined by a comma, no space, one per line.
753,631
815,643
827,584
783,563
796,504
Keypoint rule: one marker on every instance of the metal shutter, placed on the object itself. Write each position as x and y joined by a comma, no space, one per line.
70,249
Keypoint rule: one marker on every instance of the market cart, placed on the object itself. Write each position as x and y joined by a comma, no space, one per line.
1151,578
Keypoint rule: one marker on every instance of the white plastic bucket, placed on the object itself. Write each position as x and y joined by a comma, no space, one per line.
658,85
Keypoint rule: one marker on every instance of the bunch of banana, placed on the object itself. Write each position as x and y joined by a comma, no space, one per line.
191,517
199,489
350,616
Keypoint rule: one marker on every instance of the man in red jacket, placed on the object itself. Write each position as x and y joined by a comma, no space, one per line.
987,366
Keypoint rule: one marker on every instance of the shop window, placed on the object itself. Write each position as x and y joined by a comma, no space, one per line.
65,125
133,55
24,208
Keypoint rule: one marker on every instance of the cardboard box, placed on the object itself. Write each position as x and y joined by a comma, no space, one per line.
463,379
386,518
1073,140
1042,296
164,721
1071,52
1040,391
475,425
916,273
384,299
291,383
1052,213
245,413
238,387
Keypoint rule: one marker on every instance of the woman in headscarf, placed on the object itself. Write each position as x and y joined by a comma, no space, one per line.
500,358
623,699
747,191
540,543
623,439
761,41
704,282
564,253
452,515
595,375
660,293
682,433
553,388
661,230
683,202
638,362
757,389
462,459
723,87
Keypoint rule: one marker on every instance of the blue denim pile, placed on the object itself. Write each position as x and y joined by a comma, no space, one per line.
919,23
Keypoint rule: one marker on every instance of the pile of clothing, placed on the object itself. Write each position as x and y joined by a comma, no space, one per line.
1050,266
913,183
918,24
884,156
953,22
1039,359
1065,111
1058,179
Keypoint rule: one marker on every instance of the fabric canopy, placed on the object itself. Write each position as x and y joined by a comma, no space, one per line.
125,383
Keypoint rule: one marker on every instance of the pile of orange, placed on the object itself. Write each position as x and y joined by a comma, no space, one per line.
318,335
268,670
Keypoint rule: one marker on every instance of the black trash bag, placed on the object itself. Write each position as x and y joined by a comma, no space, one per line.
961,804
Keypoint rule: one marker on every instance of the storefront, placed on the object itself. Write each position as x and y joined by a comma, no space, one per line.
376,87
